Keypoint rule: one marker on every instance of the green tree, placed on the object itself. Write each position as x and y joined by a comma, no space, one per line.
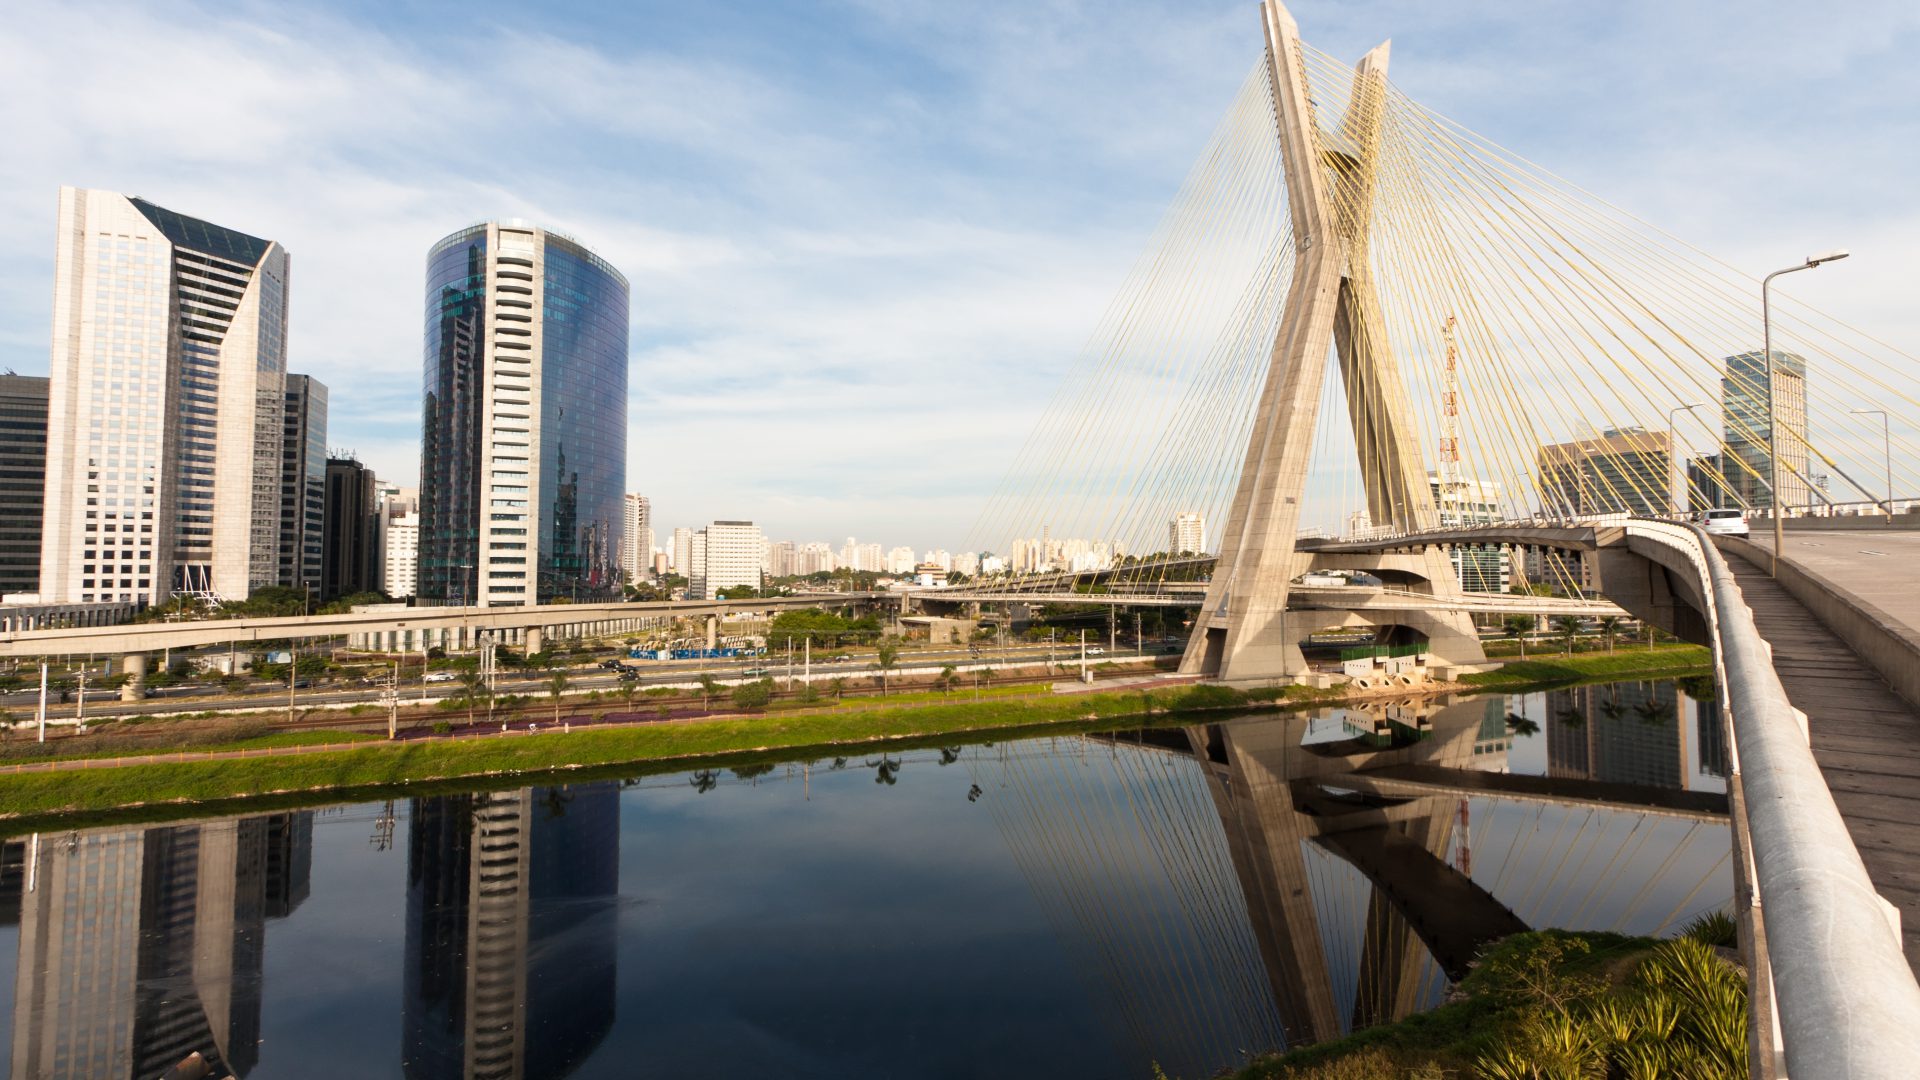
1610,627
473,687
839,688
708,687
947,677
754,695
556,686
1568,627
1517,627
887,656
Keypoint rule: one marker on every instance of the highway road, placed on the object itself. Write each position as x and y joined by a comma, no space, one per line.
582,678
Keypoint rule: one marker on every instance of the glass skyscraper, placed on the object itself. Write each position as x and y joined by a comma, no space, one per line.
524,442
1744,397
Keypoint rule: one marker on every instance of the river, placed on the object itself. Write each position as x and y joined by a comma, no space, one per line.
1081,906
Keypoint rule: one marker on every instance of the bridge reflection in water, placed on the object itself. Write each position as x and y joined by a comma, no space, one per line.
1280,880
1215,890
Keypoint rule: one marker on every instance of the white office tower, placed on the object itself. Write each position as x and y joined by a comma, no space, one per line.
725,554
402,555
165,406
683,552
1187,532
636,538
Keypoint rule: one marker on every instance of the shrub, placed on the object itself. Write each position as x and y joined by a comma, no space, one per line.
441,727
1207,696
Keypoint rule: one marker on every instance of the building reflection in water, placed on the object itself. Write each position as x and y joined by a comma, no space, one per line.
1284,879
141,946
511,932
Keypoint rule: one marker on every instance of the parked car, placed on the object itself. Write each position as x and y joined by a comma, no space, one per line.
1095,650
1725,522
439,676
756,673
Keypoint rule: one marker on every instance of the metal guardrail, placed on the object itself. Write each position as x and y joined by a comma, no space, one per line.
1833,994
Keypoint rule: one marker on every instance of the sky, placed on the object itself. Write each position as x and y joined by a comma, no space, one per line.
866,239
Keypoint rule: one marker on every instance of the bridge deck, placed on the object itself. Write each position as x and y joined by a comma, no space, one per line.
1866,739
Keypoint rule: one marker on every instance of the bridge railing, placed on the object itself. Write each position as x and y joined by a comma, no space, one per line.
1832,992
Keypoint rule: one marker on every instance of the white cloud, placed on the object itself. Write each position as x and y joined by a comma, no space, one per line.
858,272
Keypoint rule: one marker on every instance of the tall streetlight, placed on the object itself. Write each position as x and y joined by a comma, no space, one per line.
1773,420
1673,454
1886,438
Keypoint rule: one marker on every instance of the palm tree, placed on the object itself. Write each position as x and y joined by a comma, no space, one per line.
838,686
1610,626
708,686
628,688
1569,628
1517,626
473,686
947,677
886,656
704,781
886,770
557,685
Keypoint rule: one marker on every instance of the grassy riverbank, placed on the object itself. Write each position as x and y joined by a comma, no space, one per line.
1552,1004
858,724
382,764
1551,671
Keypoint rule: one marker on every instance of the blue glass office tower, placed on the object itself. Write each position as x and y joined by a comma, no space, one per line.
524,442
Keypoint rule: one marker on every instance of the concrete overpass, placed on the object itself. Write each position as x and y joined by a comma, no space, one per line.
530,625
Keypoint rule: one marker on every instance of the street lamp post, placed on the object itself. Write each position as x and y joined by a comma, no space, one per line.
1773,419
1886,441
1673,453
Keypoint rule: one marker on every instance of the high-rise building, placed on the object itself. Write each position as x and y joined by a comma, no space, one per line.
1187,532
725,554
1622,470
165,406
23,480
1745,392
403,555
783,559
1708,483
303,481
900,561
523,457
348,561
636,538
682,551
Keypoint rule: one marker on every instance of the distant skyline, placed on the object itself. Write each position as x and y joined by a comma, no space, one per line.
866,239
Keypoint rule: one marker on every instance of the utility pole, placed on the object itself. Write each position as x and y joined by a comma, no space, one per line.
293,678
393,705
1113,633
806,660
43,701
1139,646
80,701
1085,675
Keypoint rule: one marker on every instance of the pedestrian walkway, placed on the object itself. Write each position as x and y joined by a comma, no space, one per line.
1866,739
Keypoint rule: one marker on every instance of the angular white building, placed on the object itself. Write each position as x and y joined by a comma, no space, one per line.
165,405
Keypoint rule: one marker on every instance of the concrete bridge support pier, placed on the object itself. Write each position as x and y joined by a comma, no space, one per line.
134,665
536,640
713,631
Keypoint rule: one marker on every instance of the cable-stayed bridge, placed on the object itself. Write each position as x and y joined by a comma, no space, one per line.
1522,368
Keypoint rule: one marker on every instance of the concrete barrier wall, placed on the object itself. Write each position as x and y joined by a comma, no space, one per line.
1864,522
1886,644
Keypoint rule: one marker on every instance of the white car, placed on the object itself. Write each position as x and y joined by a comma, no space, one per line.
1725,522
438,676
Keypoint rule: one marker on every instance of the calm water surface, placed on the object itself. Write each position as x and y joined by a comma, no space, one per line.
1059,907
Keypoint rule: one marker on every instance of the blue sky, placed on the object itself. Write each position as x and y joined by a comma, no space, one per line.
866,239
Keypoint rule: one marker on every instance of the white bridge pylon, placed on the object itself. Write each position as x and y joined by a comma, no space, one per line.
1244,631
